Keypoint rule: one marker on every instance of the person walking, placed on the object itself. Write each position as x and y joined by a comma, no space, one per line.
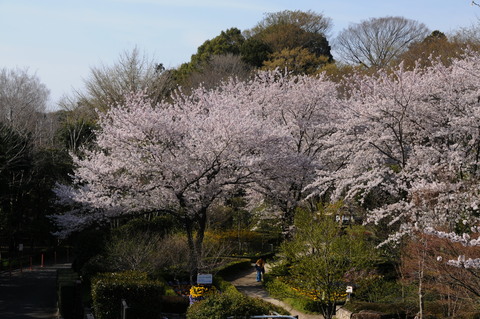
260,267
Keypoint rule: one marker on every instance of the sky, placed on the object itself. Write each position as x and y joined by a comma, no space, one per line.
61,40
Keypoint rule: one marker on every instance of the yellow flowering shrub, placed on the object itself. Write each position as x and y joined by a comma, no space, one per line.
202,291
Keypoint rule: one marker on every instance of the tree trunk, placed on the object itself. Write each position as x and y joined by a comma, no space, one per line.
192,250
195,241
328,310
421,270
202,224
287,222
420,296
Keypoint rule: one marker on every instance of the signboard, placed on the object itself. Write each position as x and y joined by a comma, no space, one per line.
204,279
349,289
20,247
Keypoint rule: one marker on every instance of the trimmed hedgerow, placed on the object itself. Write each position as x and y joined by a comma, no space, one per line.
225,286
220,306
175,304
234,267
143,296
68,294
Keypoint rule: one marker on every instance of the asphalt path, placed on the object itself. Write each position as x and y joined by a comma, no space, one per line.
29,293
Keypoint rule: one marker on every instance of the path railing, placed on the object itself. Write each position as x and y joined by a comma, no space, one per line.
20,261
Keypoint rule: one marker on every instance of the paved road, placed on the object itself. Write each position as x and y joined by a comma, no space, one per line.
29,294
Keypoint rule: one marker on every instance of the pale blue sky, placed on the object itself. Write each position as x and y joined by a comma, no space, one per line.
60,40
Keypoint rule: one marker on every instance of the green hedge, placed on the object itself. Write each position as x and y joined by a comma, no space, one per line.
143,296
175,304
225,286
70,303
230,302
220,306
234,267
69,294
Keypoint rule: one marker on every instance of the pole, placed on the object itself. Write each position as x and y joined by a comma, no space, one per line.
124,309
41,261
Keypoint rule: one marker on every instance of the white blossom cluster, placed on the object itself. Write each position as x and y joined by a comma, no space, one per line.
461,262
464,239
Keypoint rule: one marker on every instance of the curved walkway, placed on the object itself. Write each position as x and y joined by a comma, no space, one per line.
246,283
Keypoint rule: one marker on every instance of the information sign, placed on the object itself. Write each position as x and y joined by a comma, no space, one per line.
204,279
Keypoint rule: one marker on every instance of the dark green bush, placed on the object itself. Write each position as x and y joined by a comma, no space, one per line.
174,304
88,243
66,300
142,295
225,286
69,301
234,267
92,267
69,295
220,306
161,225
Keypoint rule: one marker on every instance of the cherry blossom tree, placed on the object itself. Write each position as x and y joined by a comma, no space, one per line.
409,150
303,111
174,158
264,134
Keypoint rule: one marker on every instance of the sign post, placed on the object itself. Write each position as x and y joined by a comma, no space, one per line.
204,279
349,292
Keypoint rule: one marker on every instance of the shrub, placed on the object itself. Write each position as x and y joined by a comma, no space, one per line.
369,314
134,251
225,286
220,306
234,267
94,266
281,290
278,288
175,304
88,243
142,295
161,225
69,301
244,241
393,309
377,289
69,294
